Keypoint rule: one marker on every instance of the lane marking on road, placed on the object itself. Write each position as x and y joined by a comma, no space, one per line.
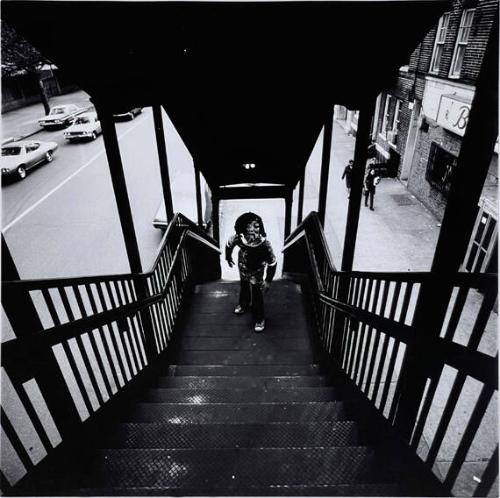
79,170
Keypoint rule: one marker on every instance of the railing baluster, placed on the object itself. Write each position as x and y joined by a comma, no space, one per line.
93,344
482,320
103,338
78,376
50,306
489,476
468,436
366,360
79,342
362,343
15,440
424,412
446,416
456,313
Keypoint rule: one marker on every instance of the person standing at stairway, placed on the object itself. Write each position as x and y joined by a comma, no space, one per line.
255,255
370,182
347,174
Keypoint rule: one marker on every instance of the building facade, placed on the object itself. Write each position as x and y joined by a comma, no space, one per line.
420,122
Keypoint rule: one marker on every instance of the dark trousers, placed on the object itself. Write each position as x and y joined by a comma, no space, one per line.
252,294
370,194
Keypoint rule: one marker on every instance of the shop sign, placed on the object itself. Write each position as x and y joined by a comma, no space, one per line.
453,114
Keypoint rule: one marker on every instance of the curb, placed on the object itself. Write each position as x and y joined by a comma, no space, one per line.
30,134
40,128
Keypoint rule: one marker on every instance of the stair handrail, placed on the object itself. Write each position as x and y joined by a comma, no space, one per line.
360,315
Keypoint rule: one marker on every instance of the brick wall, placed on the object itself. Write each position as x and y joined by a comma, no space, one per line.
412,82
434,200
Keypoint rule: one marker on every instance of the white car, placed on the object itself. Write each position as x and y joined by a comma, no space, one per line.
61,115
86,126
19,157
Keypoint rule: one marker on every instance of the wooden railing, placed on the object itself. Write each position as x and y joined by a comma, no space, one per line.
365,324
89,339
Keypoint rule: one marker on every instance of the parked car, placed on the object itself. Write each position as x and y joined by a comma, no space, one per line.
86,126
19,157
129,114
61,115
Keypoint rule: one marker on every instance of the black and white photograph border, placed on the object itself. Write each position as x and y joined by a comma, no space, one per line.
249,248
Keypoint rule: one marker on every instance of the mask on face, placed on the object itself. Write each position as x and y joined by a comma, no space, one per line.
252,231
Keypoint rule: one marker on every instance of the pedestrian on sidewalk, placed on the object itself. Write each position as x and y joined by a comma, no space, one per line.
347,174
370,182
256,253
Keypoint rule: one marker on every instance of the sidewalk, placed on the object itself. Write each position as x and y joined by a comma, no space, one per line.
22,123
399,235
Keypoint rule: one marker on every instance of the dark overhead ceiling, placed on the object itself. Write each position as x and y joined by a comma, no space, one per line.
241,81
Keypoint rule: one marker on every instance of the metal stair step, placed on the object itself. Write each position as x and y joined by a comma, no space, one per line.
243,370
264,382
215,325
378,489
257,341
157,435
237,413
206,469
252,395
244,357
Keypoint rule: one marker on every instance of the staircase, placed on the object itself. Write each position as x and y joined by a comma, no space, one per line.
248,414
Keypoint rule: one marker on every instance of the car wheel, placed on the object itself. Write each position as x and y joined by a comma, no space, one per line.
49,156
21,172
94,135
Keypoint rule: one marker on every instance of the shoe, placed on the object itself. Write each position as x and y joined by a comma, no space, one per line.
259,326
371,209
239,310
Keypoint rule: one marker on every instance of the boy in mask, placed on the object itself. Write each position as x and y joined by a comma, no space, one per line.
254,256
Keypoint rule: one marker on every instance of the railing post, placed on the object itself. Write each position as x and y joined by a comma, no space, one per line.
300,209
119,187
215,215
198,196
465,190
288,214
358,172
360,155
19,308
126,219
163,159
325,166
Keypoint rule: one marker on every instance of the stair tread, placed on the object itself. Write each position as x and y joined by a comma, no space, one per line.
259,357
232,468
239,395
378,489
257,342
158,435
242,381
237,413
244,370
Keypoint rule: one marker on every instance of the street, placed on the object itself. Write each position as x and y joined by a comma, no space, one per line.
62,219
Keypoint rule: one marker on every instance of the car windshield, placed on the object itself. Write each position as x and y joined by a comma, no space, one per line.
82,121
11,151
57,110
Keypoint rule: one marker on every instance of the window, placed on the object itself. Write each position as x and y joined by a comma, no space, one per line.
461,43
439,42
440,168
393,134
385,117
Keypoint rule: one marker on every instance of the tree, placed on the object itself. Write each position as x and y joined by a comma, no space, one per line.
20,57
